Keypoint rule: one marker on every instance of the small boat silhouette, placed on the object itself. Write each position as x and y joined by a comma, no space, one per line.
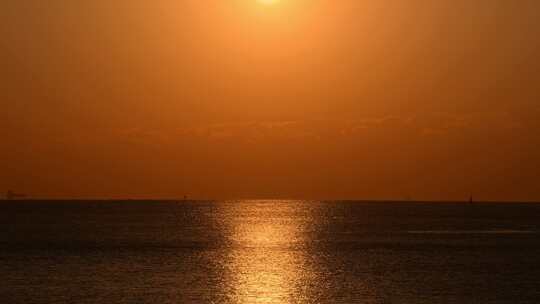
10,195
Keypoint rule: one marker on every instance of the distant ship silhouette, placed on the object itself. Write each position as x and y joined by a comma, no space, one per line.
10,195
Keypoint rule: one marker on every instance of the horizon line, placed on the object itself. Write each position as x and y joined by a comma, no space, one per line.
464,201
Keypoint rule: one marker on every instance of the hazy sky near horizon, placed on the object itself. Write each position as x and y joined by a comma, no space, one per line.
302,99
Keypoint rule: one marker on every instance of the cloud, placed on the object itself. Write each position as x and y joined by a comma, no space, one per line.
298,131
249,131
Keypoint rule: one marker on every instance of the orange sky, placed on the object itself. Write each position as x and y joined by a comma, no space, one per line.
301,99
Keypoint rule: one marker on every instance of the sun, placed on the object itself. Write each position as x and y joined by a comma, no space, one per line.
268,2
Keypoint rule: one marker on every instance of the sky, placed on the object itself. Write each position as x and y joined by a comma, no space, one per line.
303,99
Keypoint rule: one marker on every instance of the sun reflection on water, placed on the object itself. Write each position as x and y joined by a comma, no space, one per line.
267,263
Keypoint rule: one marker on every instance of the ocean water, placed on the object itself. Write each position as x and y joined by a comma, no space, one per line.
268,252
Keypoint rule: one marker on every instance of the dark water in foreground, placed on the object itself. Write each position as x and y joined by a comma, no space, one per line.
268,252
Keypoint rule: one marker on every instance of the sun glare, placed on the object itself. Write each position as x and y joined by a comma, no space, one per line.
268,2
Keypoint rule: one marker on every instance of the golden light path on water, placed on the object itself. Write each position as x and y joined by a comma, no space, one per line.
267,263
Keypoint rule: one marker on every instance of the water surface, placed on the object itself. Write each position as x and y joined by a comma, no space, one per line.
268,252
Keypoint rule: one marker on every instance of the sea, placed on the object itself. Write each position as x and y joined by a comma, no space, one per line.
268,251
